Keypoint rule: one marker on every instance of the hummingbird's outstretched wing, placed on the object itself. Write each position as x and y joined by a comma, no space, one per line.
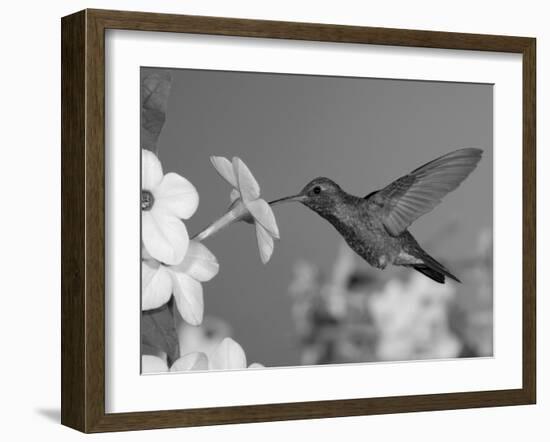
418,192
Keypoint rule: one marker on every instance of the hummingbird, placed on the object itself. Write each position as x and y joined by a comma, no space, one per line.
376,226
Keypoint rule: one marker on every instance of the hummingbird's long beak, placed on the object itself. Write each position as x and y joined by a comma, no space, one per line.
287,199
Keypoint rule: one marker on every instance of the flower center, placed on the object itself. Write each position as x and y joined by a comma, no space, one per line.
147,200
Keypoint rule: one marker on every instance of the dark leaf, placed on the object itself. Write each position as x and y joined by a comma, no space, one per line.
158,332
155,89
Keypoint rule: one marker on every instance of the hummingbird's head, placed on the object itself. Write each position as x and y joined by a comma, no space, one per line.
320,195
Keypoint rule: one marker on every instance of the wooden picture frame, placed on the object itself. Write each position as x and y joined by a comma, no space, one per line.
83,220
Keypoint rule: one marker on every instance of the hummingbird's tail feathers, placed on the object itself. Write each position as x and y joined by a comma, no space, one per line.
433,269
416,257
432,274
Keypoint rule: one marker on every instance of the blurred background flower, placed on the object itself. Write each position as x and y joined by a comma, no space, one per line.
358,314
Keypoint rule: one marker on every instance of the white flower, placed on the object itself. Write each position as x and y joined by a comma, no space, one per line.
229,355
191,361
183,280
246,205
165,201
210,339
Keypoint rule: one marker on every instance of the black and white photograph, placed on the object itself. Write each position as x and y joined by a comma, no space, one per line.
303,220
268,221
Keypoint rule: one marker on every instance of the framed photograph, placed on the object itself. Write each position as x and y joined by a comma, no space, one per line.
269,220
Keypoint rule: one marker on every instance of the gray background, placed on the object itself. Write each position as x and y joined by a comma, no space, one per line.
362,133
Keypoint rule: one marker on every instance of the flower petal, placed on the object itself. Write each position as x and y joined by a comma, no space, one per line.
199,262
191,361
188,296
261,211
265,243
164,236
248,186
151,170
145,255
256,365
153,364
224,167
228,355
176,195
156,285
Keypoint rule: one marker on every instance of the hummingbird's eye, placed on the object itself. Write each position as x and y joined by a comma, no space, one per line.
317,190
